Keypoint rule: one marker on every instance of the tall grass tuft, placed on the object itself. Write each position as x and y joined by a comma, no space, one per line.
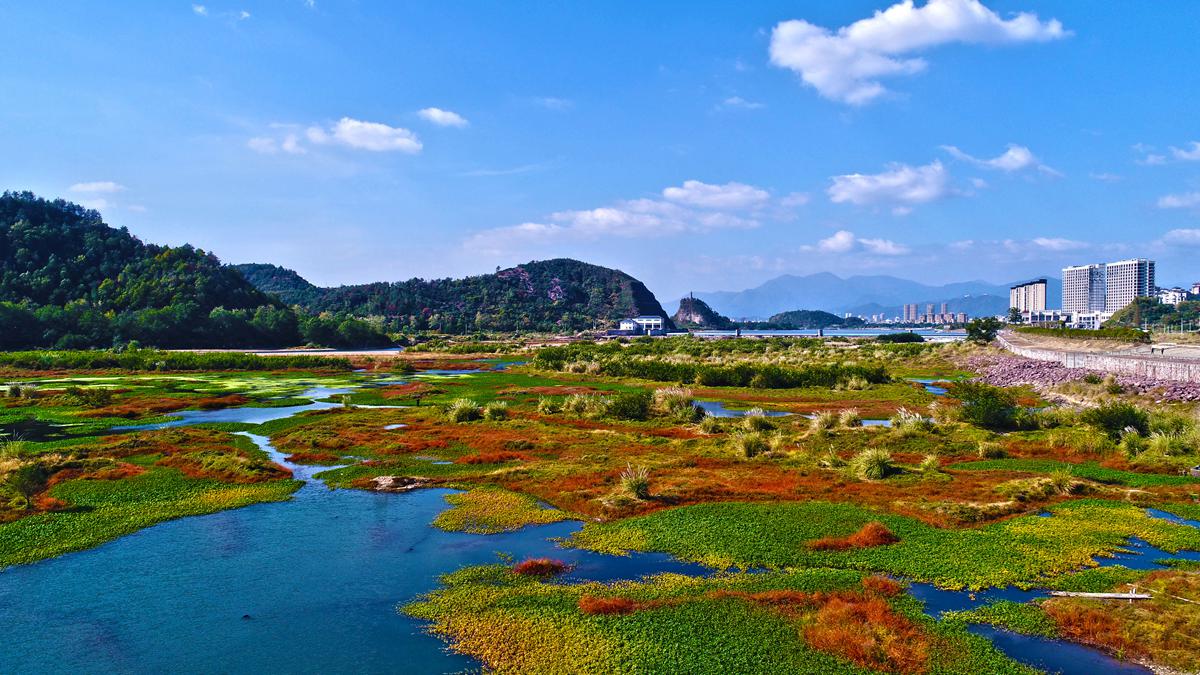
635,480
872,464
463,410
850,418
756,419
495,411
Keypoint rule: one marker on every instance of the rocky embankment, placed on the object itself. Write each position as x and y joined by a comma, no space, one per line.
1008,371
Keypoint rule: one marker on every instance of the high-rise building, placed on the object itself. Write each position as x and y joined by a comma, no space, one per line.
1083,288
1029,296
1126,280
1196,288
961,317
944,310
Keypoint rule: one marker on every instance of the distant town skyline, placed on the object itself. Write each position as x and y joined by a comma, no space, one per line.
706,149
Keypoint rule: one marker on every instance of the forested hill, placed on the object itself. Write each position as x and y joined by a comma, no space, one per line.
68,280
550,295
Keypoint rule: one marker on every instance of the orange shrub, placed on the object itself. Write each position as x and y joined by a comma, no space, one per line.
1090,626
868,632
540,567
590,604
872,534
882,586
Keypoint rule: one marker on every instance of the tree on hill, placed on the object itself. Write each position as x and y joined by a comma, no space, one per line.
695,313
68,280
560,295
811,318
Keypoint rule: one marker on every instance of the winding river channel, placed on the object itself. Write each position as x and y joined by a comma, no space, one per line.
311,585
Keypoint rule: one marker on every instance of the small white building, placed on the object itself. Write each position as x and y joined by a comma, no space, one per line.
1196,288
1172,296
1089,320
643,324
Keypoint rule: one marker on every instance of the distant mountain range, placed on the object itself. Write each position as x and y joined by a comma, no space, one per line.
864,295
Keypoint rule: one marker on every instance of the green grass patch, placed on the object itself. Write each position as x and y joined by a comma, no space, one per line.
1018,617
1089,471
1024,549
491,510
104,510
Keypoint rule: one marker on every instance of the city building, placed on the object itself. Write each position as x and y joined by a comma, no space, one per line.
961,317
643,325
1126,280
1172,296
1029,296
1196,288
1083,288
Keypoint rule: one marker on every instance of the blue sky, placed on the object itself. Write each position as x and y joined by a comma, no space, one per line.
697,146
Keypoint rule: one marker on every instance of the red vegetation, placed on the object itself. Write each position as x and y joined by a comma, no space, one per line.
215,402
867,631
540,567
1090,626
872,534
48,503
590,604
408,390
491,458
118,472
884,586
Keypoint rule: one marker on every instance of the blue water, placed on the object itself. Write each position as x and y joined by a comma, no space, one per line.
837,332
1055,656
248,415
319,578
718,409
930,386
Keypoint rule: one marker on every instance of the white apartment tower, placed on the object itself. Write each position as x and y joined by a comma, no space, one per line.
1083,288
1126,280
1029,296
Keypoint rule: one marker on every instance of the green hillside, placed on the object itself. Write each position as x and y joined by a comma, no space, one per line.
560,295
68,280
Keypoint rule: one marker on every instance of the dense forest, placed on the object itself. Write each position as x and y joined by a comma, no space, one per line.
812,318
69,281
1150,311
558,296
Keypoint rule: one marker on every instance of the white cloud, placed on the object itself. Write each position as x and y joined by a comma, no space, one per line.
348,132
311,4
707,211
847,65
200,10
728,196
1104,177
741,103
1185,200
795,199
901,185
1189,155
1059,244
98,187
842,241
1015,158
443,118
137,208
243,15
1185,237
845,241
374,136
